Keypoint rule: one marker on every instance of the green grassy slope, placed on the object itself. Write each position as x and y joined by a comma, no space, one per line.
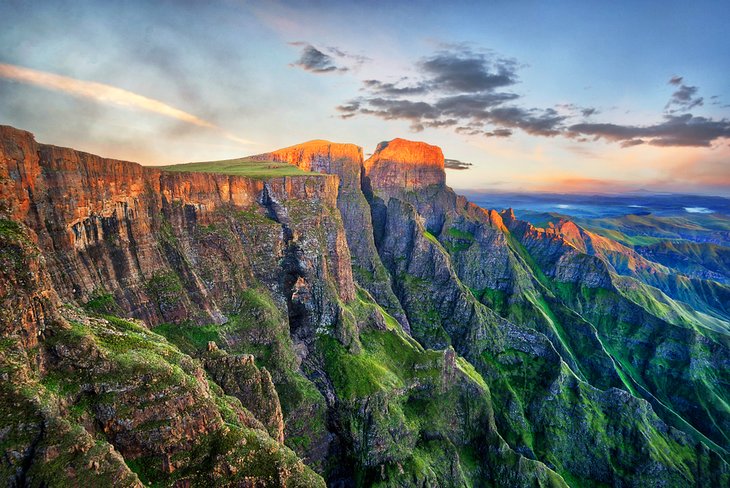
240,167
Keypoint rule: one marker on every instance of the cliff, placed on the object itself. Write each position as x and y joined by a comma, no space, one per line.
175,327
106,222
401,164
346,161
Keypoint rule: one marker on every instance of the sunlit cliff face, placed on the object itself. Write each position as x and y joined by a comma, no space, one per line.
406,164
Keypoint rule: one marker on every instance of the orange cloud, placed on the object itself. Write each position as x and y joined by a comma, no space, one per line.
106,94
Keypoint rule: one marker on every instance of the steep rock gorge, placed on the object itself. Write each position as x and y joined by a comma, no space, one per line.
389,331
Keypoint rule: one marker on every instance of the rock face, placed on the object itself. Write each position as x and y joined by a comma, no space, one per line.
105,402
431,240
107,227
346,161
239,377
176,328
401,164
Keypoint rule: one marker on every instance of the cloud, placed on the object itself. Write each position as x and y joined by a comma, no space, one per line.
461,89
470,92
498,133
534,121
632,142
317,61
106,94
676,80
472,106
466,71
357,59
390,89
684,99
681,130
456,164
678,127
314,60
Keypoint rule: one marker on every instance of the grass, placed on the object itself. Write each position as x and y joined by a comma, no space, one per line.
240,167
191,339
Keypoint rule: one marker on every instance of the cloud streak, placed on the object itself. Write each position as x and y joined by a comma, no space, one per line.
680,130
456,164
107,94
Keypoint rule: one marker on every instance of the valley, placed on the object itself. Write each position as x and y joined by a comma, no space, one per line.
309,317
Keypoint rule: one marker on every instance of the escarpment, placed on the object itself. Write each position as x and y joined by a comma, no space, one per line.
346,161
402,164
523,275
116,227
363,326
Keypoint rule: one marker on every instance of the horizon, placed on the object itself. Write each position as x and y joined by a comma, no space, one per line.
505,88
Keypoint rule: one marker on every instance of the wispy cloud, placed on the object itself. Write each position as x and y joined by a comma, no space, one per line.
456,164
107,94
317,61
685,98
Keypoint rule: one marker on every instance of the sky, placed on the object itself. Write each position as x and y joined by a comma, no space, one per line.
534,96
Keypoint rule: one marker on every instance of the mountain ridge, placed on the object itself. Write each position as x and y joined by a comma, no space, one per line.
408,336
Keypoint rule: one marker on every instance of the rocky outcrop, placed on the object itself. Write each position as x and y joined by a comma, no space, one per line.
405,165
167,247
105,402
346,161
239,377
343,160
585,268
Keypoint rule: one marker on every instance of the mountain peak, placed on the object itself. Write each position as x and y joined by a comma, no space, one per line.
405,164
342,159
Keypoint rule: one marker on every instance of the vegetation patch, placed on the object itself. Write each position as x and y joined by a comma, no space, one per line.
247,167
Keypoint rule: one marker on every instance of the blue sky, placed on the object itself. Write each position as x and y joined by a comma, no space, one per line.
575,96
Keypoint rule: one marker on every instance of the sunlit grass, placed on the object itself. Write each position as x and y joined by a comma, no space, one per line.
240,167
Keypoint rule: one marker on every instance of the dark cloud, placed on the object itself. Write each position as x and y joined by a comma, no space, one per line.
632,142
472,106
681,130
675,80
314,60
317,61
533,121
391,89
469,92
500,133
389,109
685,98
678,127
465,71
456,164
456,88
